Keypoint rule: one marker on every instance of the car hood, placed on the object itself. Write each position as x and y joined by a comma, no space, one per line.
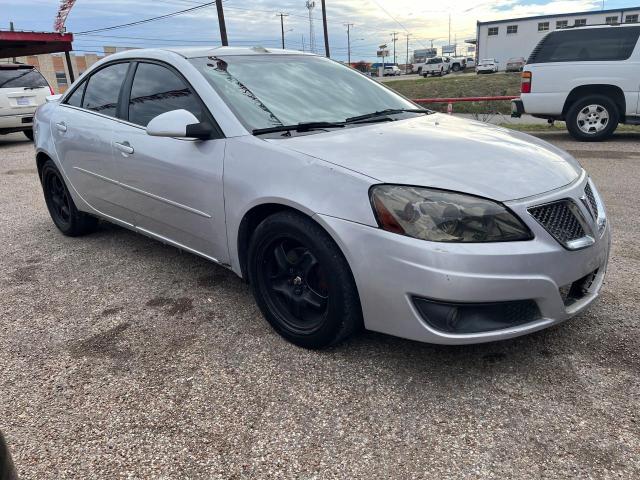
445,152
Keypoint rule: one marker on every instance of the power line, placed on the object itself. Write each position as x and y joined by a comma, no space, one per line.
146,20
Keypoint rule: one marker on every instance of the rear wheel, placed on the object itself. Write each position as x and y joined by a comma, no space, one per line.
592,118
456,68
302,282
28,134
63,211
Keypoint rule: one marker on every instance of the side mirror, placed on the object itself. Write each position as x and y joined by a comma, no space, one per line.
179,123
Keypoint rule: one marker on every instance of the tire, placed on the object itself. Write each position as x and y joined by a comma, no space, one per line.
302,283
456,68
63,211
28,134
593,108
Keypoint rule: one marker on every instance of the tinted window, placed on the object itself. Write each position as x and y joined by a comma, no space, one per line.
157,90
103,89
21,77
75,99
586,45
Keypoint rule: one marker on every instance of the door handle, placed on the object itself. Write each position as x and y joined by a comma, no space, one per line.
124,147
61,126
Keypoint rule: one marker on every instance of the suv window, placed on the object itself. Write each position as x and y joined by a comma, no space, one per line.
157,90
586,45
21,77
103,89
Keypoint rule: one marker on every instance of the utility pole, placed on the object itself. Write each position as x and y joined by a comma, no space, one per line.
449,29
282,15
326,31
348,25
223,27
406,66
395,37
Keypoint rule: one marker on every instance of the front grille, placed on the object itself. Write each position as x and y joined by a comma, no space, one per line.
593,205
560,220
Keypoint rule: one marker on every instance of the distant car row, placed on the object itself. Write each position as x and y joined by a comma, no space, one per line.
442,65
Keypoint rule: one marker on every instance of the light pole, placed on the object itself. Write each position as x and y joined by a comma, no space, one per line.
326,31
406,66
394,35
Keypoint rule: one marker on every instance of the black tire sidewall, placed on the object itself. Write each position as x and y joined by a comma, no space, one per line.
572,118
343,307
79,223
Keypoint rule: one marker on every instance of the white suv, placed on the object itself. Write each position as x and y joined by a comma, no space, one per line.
587,76
22,90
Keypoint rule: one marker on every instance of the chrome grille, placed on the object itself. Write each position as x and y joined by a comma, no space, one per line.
591,198
560,220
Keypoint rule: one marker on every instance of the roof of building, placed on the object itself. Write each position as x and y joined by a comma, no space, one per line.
559,15
23,43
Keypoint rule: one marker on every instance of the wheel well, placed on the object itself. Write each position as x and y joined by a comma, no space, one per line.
248,225
41,159
611,91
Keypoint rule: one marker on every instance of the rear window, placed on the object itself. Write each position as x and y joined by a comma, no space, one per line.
21,77
583,45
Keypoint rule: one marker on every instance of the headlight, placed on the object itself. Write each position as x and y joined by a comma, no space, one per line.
441,216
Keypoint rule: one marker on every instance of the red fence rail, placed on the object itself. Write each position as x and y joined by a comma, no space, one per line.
451,100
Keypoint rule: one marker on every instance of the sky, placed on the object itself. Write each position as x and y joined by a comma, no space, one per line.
254,22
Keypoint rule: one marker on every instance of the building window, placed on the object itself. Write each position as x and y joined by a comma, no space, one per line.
511,29
611,20
562,24
61,79
543,26
580,22
493,31
631,19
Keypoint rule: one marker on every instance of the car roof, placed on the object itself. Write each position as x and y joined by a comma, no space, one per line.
211,51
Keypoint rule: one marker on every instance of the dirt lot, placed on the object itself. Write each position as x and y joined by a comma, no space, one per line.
123,358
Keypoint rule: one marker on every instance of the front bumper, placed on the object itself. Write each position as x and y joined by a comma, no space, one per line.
391,270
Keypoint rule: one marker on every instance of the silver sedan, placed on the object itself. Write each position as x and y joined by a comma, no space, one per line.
343,204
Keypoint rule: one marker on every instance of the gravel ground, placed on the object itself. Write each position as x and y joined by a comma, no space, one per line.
123,358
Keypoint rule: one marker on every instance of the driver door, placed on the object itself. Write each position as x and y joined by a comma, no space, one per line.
172,185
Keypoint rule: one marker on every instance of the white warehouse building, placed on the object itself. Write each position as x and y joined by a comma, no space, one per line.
517,37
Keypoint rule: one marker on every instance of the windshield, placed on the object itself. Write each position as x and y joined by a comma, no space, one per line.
268,91
21,77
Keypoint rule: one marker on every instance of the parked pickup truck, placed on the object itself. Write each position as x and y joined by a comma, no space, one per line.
587,76
435,66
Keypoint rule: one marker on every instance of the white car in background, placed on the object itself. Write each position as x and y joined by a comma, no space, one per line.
589,77
22,90
487,65
392,71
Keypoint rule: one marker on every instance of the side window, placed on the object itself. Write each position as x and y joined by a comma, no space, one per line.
103,89
75,100
157,90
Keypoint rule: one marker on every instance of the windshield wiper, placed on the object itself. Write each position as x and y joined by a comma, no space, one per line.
298,127
383,113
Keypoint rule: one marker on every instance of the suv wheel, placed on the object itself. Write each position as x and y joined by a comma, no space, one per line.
456,68
302,282
63,211
592,118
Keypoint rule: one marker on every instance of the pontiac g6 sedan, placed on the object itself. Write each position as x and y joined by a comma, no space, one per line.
343,204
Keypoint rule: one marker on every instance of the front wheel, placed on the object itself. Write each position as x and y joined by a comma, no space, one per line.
69,220
592,119
302,282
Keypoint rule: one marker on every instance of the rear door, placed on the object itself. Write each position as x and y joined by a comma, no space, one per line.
82,129
174,185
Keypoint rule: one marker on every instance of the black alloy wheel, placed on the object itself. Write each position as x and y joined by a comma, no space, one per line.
302,282
63,211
